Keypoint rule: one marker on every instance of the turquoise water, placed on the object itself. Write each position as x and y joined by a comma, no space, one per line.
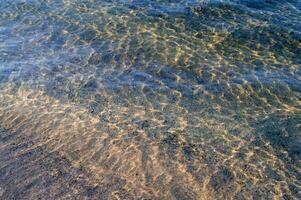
150,99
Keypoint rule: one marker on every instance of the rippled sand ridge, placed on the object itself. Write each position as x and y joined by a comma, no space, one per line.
150,99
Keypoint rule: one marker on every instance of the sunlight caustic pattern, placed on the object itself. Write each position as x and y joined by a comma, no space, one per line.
150,99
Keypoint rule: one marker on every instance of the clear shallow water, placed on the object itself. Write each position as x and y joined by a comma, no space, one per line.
150,99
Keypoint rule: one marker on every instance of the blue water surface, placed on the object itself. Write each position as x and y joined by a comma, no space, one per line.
150,99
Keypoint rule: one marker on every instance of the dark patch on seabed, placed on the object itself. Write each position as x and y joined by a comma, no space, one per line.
150,99
29,171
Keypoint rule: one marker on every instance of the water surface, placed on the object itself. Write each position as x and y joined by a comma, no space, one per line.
150,99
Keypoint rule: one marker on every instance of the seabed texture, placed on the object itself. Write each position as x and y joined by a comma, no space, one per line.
150,99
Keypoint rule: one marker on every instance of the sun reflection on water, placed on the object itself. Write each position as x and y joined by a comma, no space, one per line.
150,100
